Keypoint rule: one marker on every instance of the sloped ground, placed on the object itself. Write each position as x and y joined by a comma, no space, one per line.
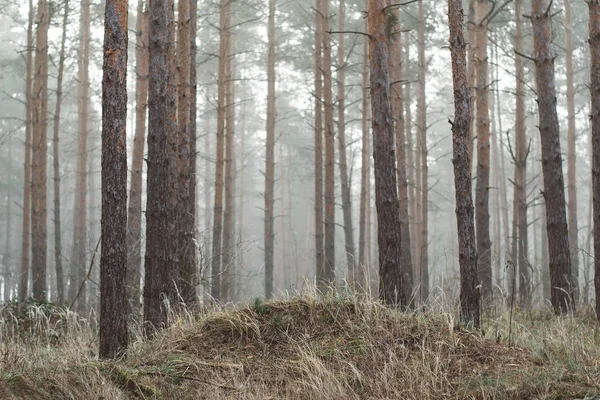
314,349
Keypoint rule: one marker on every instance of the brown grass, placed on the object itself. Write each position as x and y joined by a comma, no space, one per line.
305,348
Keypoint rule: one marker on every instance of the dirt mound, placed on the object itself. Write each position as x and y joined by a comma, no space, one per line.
309,349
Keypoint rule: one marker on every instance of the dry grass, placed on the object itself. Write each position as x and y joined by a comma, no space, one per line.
305,348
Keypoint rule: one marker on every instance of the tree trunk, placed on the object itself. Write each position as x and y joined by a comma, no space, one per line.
319,231
482,214
554,194
422,131
113,261
40,155
192,255
160,255
394,283
469,282
269,231
329,245
471,47
134,221
571,154
594,6
397,98
410,161
185,218
344,178
217,247
26,230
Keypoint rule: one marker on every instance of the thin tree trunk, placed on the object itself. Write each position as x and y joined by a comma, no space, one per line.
394,282
60,285
113,261
344,178
422,131
397,98
160,276
571,154
192,254
329,245
269,231
410,160
554,189
134,221
469,281
220,151
26,230
40,155
482,215
594,7
471,49
319,231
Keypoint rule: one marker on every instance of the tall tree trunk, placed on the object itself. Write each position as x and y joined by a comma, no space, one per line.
160,276
471,49
394,282
269,231
469,282
422,131
40,155
359,283
60,285
217,247
520,240
554,188
79,267
113,261
192,255
134,221
6,257
344,178
185,219
319,231
482,214
329,245
594,7
410,160
26,230
571,154
397,99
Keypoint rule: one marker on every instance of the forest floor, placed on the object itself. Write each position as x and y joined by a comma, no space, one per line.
305,348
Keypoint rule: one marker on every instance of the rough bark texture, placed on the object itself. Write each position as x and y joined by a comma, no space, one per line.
520,245
422,132
192,254
60,285
269,230
594,7
471,45
79,266
185,219
394,283
344,176
319,232
469,292
113,261
159,282
554,189
220,152
571,154
410,157
40,155
26,224
329,245
396,91
134,220
482,214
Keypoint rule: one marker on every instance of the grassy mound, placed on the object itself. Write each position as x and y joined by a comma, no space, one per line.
307,349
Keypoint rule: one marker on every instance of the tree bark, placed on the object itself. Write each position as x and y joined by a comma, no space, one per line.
134,221
394,283
319,228
192,254
469,281
554,189
344,177
160,276
571,154
269,231
113,261
594,41
410,160
40,156
26,230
